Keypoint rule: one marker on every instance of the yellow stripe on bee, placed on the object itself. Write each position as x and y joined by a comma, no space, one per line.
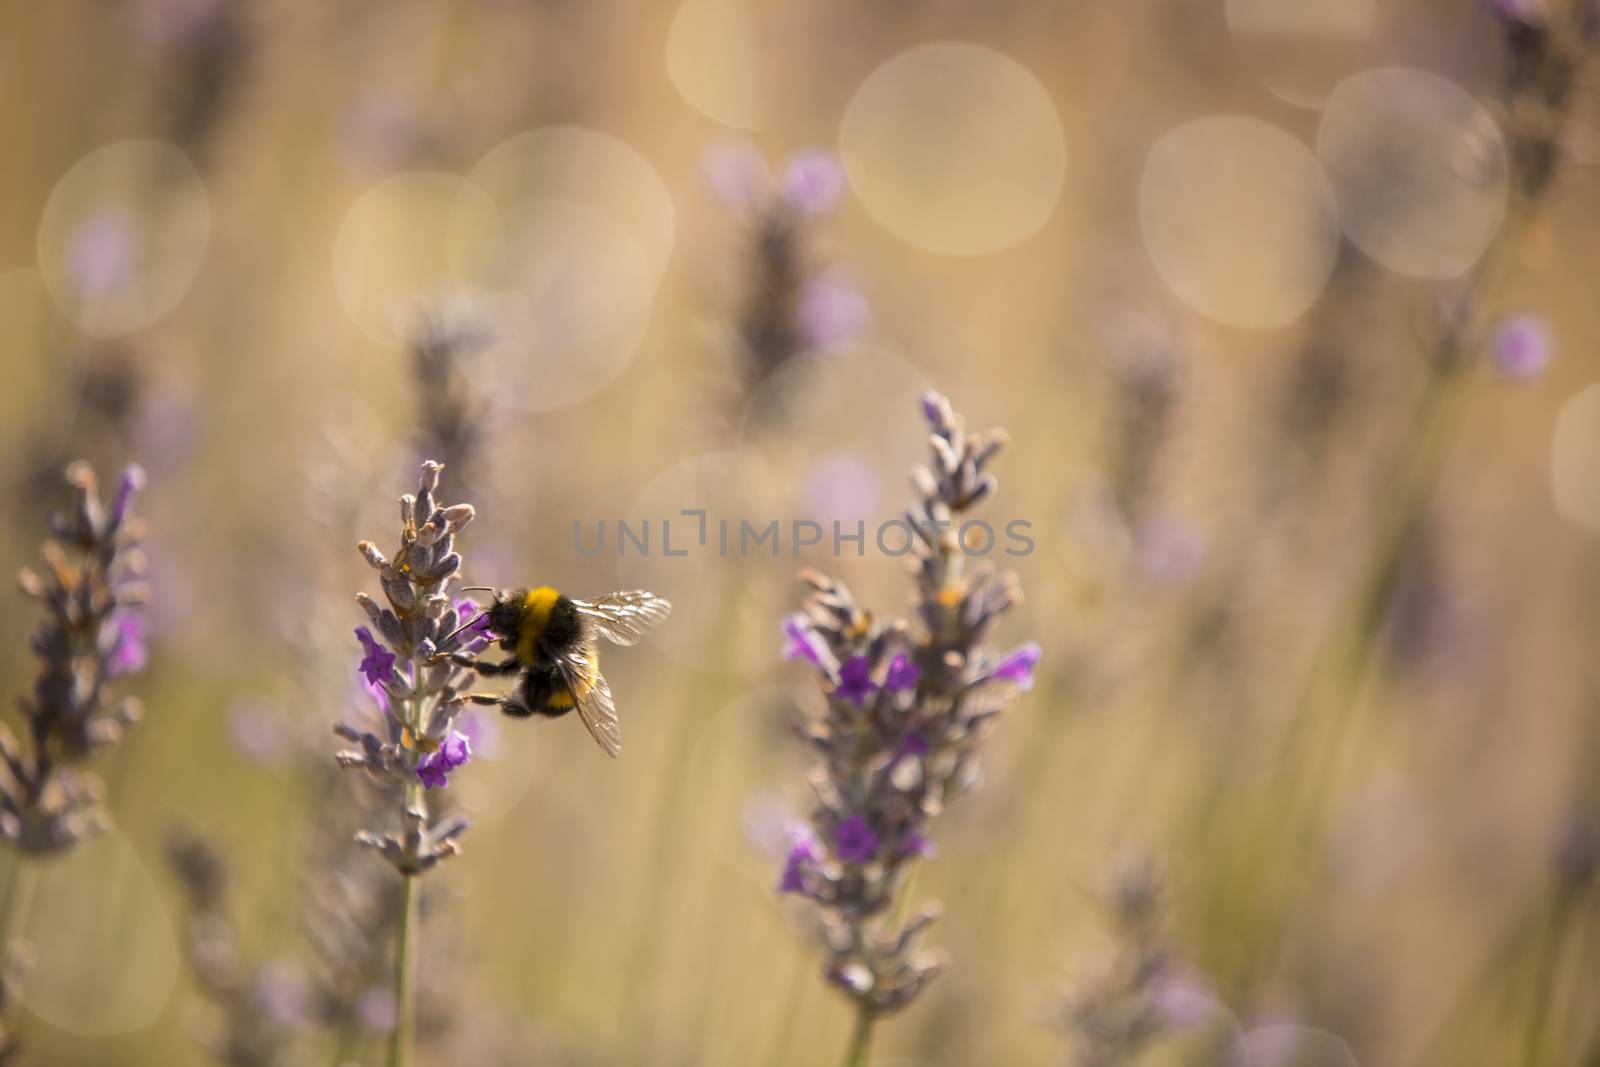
561,699
536,607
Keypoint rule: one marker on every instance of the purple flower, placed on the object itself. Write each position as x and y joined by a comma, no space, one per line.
854,840
454,751
378,666
855,680
376,1011
802,854
803,642
1521,347
132,481
1017,666
913,744
475,633
832,310
103,253
918,845
128,654
903,673
737,174
1532,12
483,732
280,993
812,182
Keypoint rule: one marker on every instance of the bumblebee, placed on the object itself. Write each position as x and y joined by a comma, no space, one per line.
553,643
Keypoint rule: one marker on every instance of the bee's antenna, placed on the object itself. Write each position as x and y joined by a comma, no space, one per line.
477,589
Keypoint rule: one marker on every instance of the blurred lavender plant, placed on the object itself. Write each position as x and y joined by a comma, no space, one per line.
908,708
790,305
1147,994
408,667
450,418
91,635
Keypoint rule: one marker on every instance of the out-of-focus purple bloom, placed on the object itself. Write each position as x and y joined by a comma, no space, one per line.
812,181
257,730
379,132
375,1009
737,174
913,744
919,845
854,840
855,680
454,751
903,674
1017,666
1531,12
128,654
802,853
378,665
833,310
1168,551
841,487
103,253
132,481
483,732
281,995
803,642
1521,347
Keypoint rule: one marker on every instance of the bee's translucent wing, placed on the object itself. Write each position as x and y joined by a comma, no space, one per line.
623,618
580,669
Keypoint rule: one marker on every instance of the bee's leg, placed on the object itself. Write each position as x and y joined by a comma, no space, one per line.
510,705
484,667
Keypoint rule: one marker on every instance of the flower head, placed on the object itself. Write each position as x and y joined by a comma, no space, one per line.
803,642
132,481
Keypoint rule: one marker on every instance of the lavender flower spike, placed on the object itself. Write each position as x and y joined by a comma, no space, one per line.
407,647
908,707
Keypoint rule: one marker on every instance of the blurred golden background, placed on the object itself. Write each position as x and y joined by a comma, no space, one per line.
1318,618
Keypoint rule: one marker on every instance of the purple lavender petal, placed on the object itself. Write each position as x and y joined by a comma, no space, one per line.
802,854
1017,666
833,310
919,845
855,680
132,481
854,840
454,751
128,654
737,174
903,674
378,665
1521,347
802,641
812,182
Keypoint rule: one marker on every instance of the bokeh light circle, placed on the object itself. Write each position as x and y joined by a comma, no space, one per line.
104,958
1238,220
123,235
714,61
403,245
581,166
1418,169
1292,1045
572,294
1575,459
955,148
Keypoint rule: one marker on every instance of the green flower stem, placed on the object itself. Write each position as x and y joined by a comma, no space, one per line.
861,1038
